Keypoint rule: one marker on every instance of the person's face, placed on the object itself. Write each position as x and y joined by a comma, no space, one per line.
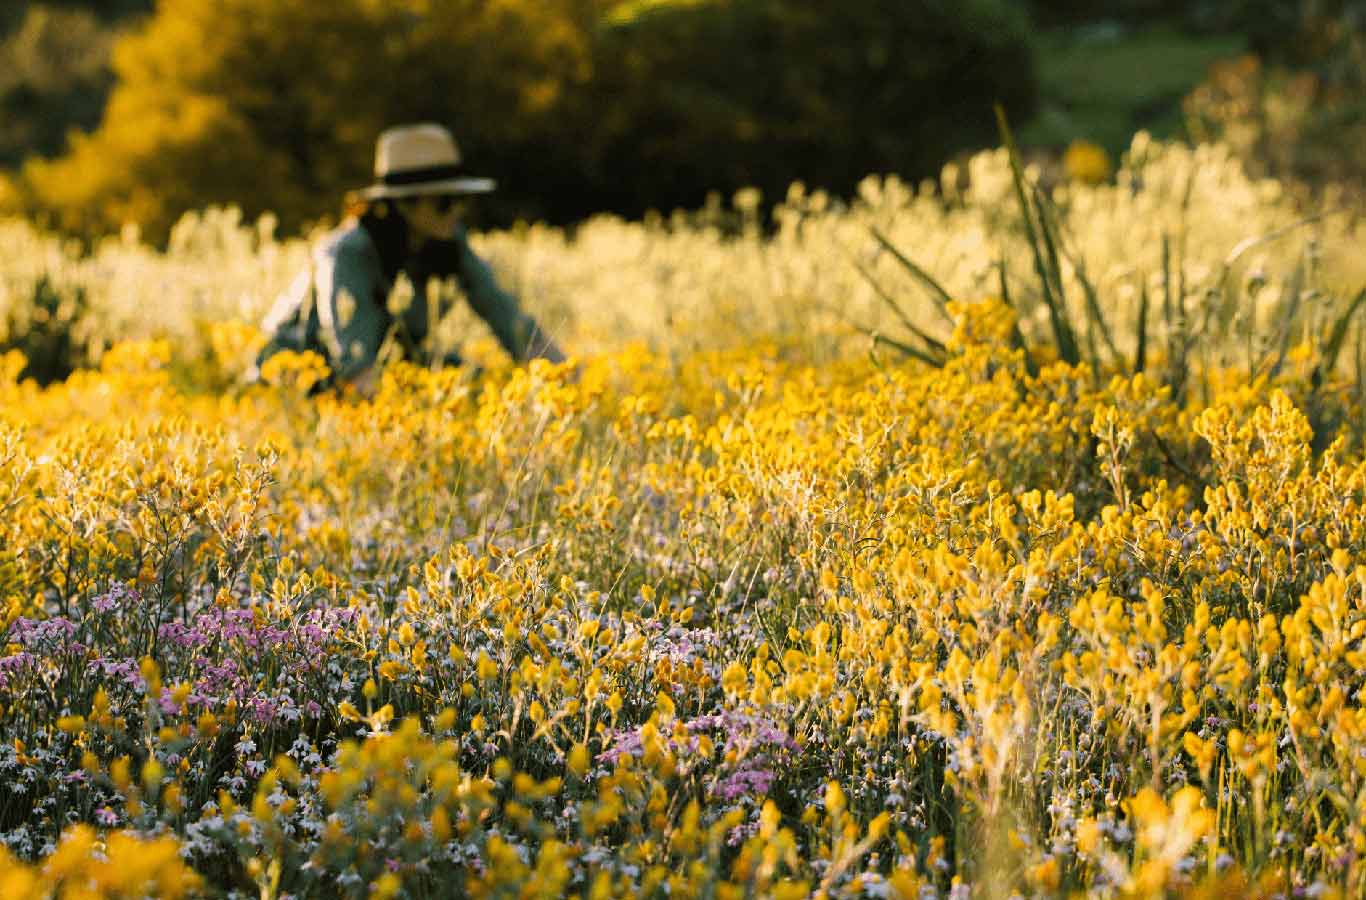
432,217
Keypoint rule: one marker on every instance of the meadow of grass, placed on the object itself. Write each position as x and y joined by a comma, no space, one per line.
803,579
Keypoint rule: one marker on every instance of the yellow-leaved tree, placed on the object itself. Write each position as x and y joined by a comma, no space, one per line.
275,105
575,106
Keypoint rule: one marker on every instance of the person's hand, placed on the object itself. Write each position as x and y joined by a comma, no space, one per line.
545,347
366,383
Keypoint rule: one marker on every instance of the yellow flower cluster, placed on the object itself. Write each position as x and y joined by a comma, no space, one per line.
1167,220
86,867
716,616
1087,162
727,625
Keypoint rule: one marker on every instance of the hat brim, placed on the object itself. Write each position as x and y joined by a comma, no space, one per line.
426,188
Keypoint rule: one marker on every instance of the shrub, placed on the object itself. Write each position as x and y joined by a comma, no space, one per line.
575,106
54,76
1066,12
725,94
276,105
44,330
1290,123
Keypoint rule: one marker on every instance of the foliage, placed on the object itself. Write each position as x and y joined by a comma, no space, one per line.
571,104
1104,83
43,329
727,94
1105,73
227,101
112,11
1184,328
727,616
55,303
82,865
1084,12
54,76
1291,123
721,625
1295,109
1327,34
1230,268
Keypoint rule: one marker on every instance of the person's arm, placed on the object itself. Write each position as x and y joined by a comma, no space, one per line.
518,332
351,310
286,323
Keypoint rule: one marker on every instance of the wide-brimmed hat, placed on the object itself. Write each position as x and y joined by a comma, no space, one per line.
412,160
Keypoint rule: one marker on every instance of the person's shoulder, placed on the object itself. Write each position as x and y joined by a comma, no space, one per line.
459,241
348,242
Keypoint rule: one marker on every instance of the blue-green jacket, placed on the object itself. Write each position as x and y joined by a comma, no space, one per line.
338,307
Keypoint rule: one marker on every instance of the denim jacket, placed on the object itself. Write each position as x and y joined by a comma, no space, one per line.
338,307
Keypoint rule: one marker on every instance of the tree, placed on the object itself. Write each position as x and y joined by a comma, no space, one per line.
702,95
575,106
275,105
54,76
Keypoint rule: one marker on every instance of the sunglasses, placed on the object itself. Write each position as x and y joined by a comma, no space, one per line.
444,203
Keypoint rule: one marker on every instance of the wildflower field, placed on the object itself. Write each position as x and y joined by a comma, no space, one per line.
982,541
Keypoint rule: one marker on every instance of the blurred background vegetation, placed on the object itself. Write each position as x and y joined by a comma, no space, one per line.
133,111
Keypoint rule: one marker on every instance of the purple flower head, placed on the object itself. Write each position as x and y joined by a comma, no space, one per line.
118,597
263,709
14,665
754,744
125,670
182,636
745,782
48,635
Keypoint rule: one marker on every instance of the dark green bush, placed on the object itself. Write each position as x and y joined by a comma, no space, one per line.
1296,108
54,76
1078,12
44,330
576,106
1329,35
722,94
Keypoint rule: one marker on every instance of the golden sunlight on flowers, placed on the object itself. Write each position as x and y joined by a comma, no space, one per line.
1087,163
85,866
768,609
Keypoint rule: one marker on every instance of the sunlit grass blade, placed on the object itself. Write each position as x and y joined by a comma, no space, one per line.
932,356
1222,285
1141,341
1175,324
1287,317
1328,357
1052,219
907,322
902,346
1063,334
941,297
1017,338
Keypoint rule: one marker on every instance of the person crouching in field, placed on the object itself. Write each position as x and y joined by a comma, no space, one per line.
407,221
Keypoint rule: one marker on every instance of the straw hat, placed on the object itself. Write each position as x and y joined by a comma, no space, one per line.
411,160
